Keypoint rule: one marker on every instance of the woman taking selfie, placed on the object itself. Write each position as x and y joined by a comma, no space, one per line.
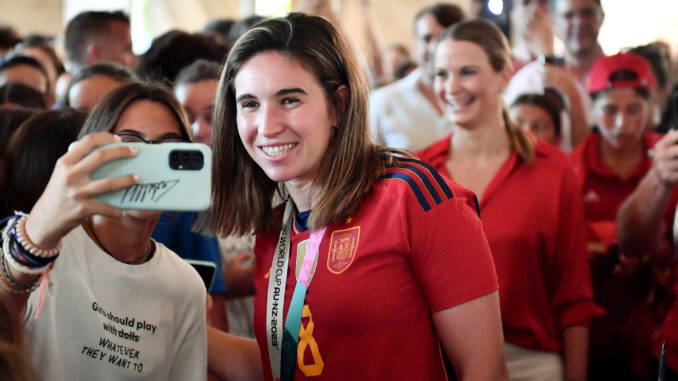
530,205
101,299
374,259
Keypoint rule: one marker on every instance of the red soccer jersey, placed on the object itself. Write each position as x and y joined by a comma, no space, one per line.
415,247
622,296
533,219
602,190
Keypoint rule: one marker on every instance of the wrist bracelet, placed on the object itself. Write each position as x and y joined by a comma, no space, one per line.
10,285
14,263
26,243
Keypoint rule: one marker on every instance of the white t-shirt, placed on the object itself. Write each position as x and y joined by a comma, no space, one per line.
402,117
106,320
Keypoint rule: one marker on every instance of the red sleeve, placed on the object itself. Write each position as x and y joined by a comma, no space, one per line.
449,252
573,296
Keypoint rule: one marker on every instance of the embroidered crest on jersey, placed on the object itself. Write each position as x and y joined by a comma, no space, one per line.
343,246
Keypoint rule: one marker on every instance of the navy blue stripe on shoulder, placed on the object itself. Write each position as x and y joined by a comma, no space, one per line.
425,180
413,185
439,179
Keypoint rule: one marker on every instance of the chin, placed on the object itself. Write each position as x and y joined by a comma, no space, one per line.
142,214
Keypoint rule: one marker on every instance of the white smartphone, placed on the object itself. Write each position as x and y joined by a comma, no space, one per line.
172,177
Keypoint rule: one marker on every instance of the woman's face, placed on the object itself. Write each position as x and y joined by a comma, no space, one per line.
536,120
283,117
465,83
198,101
151,121
621,115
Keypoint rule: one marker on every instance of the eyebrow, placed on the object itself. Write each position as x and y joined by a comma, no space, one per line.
293,90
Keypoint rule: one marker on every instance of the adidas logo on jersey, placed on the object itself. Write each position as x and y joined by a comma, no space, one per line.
591,196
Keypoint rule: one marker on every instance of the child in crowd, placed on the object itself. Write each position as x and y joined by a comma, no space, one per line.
610,164
540,114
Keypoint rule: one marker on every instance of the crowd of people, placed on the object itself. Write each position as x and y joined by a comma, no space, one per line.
471,209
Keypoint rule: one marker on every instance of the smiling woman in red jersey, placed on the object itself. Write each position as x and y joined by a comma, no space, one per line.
531,210
373,260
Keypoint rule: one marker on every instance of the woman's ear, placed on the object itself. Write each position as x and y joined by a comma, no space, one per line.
341,99
506,75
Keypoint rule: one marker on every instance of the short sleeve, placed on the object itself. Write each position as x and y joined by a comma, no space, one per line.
449,252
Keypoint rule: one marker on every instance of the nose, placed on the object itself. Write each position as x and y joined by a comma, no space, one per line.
452,84
621,122
270,123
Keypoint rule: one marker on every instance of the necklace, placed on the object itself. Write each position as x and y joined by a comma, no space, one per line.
101,245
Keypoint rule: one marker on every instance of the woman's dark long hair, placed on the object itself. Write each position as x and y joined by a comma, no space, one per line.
32,154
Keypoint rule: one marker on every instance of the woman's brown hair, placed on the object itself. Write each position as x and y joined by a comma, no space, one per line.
104,116
242,194
491,39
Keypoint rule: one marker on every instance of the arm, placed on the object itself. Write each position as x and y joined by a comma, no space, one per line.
239,276
575,352
233,358
640,216
374,40
68,198
472,336
565,83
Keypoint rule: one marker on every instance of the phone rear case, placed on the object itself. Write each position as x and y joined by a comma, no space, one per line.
160,187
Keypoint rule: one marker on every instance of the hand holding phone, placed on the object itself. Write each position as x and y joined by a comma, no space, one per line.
171,177
69,195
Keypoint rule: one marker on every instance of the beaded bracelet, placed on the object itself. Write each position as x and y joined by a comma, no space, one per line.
12,259
11,286
27,244
10,279
20,253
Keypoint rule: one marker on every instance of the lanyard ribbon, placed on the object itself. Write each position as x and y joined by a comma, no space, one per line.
282,349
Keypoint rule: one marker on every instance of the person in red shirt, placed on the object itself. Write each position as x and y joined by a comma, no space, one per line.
610,164
529,203
644,224
379,259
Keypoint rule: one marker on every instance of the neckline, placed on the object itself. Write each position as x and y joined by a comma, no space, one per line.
301,221
150,248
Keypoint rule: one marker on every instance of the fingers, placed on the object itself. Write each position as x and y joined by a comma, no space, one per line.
669,140
107,185
82,147
99,157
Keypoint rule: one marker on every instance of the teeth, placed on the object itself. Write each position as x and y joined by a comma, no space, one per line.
459,102
277,150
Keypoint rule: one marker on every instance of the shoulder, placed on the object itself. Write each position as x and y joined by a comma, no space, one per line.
550,157
421,186
172,265
581,154
436,151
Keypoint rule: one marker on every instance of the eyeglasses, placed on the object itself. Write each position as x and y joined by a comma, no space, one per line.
131,137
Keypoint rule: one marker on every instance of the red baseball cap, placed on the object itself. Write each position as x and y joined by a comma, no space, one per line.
604,67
